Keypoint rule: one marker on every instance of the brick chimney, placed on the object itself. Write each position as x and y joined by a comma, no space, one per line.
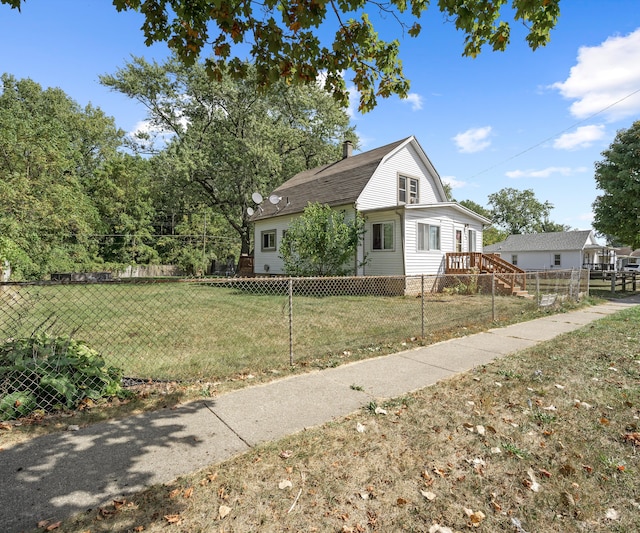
347,149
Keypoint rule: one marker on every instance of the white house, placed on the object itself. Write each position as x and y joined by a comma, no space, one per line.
410,224
555,250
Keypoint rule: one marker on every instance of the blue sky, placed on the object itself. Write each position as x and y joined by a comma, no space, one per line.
522,119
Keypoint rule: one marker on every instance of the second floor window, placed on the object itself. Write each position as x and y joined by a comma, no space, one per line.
407,190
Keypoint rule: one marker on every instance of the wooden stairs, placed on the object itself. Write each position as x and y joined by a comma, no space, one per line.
509,278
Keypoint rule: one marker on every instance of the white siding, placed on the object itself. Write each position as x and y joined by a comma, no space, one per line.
384,262
449,220
271,258
382,189
544,260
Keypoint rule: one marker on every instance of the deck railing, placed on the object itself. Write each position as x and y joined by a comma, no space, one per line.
464,262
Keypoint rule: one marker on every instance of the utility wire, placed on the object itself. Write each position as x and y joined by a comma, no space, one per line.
555,135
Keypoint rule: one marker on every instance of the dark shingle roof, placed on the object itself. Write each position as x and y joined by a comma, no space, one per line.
541,242
338,183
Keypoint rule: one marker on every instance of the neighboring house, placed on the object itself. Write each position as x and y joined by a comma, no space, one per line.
626,256
410,224
556,250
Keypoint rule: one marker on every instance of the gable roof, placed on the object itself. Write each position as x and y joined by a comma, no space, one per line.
339,183
542,242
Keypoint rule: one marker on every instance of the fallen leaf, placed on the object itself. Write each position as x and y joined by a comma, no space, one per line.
138,528
480,430
173,518
188,493
118,504
380,411
285,454
53,526
544,472
495,449
557,386
285,484
360,428
612,514
174,493
401,501
223,511
428,495
437,528
534,485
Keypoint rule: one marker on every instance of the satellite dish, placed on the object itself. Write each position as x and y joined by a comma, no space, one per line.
274,199
256,197
250,211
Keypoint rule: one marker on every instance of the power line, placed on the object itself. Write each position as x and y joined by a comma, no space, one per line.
555,135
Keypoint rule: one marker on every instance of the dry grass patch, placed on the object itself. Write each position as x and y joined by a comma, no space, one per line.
542,441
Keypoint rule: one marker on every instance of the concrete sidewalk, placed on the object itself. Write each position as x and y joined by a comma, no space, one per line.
57,475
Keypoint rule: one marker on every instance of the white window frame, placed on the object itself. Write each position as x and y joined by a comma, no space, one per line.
514,259
472,236
408,189
430,231
383,244
266,233
557,260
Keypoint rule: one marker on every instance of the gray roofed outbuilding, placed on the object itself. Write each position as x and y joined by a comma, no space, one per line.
539,242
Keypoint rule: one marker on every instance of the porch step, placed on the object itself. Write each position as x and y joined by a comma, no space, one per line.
523,294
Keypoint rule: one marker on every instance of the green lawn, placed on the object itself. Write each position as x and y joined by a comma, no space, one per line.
193,330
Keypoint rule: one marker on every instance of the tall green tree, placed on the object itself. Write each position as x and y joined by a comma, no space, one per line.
321,242
50,149
517,211
122,191
617,209
227,140
284,36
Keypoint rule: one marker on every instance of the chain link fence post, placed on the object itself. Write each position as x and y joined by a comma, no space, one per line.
291,321
422,304
493,296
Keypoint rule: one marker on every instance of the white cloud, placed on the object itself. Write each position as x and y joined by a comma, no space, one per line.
544,172
473,140
583,137
453,182
415,100
604,75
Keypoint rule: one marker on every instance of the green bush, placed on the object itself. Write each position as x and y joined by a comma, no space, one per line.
51,373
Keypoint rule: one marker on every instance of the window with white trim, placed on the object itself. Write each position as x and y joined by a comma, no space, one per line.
407,190
382,236
428,237
268,239
556,260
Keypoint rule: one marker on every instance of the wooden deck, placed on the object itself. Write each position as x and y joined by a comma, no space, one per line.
509,277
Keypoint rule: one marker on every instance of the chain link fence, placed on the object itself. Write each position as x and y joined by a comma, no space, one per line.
63,343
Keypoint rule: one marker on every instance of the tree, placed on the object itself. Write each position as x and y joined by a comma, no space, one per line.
476,208
50,150
617,210
285,36
519,211
321,242
225,139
